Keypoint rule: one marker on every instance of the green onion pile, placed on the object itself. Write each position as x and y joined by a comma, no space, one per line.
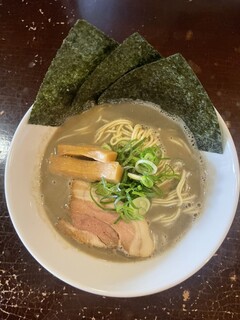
140,181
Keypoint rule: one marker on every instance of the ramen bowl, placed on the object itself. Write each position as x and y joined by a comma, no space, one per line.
111,278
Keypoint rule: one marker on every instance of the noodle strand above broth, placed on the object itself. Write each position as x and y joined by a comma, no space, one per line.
123,130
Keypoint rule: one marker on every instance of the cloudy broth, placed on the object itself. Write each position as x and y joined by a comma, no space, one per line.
177,143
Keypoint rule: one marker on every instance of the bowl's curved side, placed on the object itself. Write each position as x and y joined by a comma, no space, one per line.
118,279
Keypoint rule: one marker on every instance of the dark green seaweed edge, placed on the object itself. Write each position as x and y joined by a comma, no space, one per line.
81,51
132,53
208,137
178,91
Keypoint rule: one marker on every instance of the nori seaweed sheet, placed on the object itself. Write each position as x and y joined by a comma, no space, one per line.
133,52
82,50
171,84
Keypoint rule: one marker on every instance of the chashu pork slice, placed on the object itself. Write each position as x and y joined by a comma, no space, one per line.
81,236
96,227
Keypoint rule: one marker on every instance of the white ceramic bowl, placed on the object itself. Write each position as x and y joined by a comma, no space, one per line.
110,278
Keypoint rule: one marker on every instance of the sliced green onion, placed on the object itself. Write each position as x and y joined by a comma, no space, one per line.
106,146
141,180
141,205
145,167
147,181
134,176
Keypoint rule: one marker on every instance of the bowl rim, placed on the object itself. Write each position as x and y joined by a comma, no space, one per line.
122,292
